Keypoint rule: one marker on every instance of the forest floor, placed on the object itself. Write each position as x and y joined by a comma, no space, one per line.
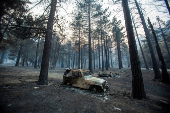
19,93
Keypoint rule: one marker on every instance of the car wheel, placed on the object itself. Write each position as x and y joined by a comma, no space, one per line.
93,88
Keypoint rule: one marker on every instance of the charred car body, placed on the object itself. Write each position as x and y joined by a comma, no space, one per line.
106,74
83,79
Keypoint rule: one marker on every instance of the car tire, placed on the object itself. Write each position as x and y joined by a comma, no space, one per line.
93,89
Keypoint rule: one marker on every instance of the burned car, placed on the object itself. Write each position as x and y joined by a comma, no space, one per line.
83,79
104,74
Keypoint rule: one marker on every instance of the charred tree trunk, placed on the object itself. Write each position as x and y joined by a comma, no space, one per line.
69,60
163,35
167,5
62,62
146,65
74,59
99,51
101,43
55,62
93,55
27,60
56,54
39,62
109,58
118,49
2,57
165,75
79,50
106,54
90,50
23,60
102,51
1,34
35,64
154,62
81,58
19,55
43,78
137,80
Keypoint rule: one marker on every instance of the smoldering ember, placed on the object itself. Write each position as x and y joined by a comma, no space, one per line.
84,56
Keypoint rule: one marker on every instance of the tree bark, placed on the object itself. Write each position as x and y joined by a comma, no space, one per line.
163,35
118,48
2,57
154,62
81,58
93,55
56,53
146,65
165,75
99,51
167,5
102,44
137,80
109,58
90,50
79,50
74,59
62,61
35,64
23,60
106,52
43,77
19,55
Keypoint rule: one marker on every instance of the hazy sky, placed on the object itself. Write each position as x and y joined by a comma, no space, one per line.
116,10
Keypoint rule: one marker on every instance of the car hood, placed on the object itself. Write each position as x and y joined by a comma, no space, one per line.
95,80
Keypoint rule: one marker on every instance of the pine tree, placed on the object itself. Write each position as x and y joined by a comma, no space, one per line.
43,77
137,80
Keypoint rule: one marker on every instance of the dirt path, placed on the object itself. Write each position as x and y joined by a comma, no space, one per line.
19,93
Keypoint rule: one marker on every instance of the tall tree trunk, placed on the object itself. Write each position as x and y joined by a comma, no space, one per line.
62,61
43,78
109,58
118,49
90,50
4,31
81,58
1,34
154,62
146,65
137,80
102,45
99,51
163,35
39,62
167,5
106,54
165,75
55,62
93,55
19,55
56,54
74,59
2,57
27,60
35,64
79,50
112,62
23,60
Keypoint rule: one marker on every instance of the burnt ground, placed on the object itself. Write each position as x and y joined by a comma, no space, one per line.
19,93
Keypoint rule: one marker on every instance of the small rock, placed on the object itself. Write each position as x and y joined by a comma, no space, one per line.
36,87
9,105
